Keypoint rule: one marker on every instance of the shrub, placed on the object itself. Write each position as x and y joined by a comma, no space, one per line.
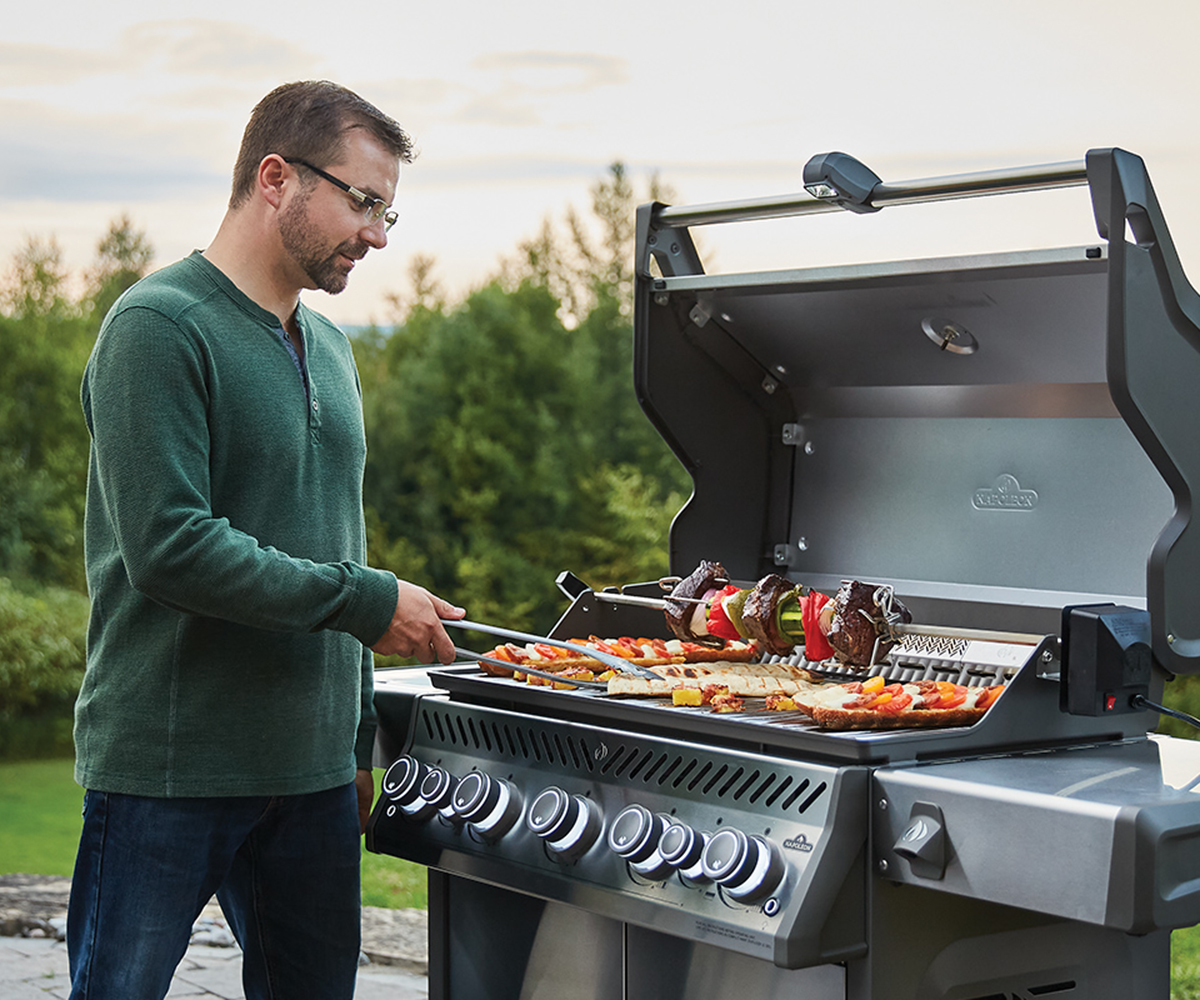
42,639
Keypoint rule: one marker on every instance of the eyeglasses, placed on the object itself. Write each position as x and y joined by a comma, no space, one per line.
373,208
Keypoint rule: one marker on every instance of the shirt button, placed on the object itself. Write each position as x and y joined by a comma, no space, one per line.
316,406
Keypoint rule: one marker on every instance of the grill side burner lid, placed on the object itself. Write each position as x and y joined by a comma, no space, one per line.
997,436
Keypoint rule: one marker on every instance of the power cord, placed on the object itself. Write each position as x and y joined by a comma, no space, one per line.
1140,701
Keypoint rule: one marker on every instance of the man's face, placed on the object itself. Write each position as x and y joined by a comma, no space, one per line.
323,229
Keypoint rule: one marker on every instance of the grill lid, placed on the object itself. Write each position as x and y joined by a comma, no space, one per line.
997,436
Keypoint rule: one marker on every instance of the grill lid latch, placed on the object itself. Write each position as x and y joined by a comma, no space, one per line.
923,842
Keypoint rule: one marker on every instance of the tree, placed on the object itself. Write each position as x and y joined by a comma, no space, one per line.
45,338
506,442
123,256
592,261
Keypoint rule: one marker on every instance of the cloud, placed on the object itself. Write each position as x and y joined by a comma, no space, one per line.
198,47
25,65
72,156
575,72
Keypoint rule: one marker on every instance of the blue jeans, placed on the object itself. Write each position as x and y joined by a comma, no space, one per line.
285,870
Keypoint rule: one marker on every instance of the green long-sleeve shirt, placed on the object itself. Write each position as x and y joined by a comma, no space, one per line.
225,550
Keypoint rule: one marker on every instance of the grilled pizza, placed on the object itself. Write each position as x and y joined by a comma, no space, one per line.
875,704
643,652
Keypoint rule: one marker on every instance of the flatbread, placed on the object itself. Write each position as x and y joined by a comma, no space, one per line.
837,706
658,653
749,680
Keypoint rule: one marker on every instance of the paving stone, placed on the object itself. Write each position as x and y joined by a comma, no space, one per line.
381,983
395,941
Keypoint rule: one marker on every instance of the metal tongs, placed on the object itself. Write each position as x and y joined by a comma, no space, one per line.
615,662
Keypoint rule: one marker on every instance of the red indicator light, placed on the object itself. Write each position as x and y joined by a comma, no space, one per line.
1110,702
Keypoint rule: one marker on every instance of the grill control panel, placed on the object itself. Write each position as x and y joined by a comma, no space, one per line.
739,850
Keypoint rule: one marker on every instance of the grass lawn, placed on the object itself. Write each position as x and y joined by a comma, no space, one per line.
40,819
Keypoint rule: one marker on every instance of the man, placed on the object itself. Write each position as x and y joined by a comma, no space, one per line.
224,727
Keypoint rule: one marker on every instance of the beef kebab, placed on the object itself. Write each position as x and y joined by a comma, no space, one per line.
854,626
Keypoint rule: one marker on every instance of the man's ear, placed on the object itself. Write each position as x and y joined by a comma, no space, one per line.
273,174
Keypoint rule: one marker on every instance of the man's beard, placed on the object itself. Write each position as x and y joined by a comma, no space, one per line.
327,270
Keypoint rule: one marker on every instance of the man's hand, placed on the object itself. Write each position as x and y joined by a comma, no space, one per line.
364,784
415,629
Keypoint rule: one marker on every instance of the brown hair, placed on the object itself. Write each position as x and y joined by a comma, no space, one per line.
308,121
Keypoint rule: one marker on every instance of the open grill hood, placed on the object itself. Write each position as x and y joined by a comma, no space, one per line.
998,436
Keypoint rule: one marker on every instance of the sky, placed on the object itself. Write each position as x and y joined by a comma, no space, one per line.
518,109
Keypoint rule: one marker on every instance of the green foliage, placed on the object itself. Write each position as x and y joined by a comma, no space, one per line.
42,639
122,257
504,448
45,338
506,442
1183,695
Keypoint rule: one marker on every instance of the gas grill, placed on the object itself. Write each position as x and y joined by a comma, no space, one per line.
1003,439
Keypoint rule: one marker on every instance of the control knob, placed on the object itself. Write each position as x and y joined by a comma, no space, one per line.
634,836
490,805
747,868
437,788
681,847
569,824
402,784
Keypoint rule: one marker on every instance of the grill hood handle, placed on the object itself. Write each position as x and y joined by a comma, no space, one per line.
615,662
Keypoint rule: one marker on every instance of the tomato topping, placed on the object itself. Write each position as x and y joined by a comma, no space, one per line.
952,700
988,696
816,646
500,653
894,705
718,621
601,646
550,652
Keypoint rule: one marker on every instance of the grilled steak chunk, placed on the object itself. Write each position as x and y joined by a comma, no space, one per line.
758,613
698,583
858,622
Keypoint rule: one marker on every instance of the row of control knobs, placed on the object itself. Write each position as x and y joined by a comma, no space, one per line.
655,846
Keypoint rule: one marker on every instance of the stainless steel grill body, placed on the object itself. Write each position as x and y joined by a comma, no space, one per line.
998,438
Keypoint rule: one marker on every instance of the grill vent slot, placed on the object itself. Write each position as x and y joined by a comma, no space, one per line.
650,765
642,758
662,778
